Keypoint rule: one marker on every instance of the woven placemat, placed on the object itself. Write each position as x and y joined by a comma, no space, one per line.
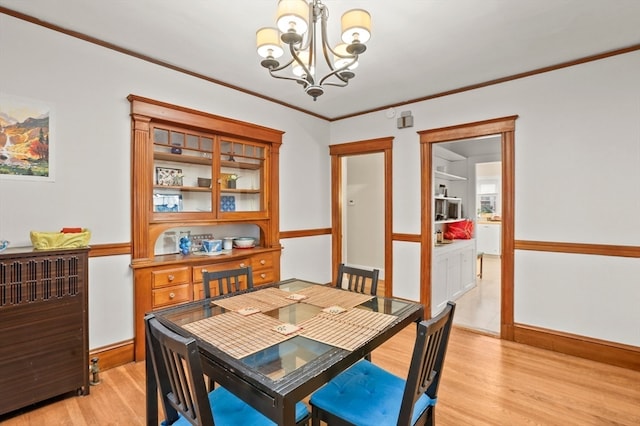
375,320
264,300
325,296
348,330
238,335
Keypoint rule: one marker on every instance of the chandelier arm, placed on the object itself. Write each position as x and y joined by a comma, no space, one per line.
325,42
326,49
272,72
302,81
344,83
337,72
295,57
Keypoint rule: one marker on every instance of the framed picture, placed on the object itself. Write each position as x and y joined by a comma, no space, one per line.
26,149
168,177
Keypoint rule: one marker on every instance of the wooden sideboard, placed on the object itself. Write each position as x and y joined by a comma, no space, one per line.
43,325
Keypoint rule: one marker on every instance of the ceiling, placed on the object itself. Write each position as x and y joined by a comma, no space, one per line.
419,48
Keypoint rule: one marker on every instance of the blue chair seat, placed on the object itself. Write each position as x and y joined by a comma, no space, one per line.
230,410
365,394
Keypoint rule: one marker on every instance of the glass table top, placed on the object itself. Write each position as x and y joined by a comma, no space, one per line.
276,360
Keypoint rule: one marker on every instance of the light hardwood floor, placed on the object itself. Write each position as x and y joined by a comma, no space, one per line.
485,381
479,308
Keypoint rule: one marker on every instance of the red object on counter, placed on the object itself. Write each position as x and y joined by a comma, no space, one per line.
71,230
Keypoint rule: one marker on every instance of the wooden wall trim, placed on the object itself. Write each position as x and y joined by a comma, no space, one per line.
579,248
410,238
501,80
113,355
305,233
176,68
625,356
113,249
469,130
366,146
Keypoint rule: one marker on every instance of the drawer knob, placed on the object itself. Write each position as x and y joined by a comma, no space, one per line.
170,277
204,270
262,261
242,265
263,275
172,295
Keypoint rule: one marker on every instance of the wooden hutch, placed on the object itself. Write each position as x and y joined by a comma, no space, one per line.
182,162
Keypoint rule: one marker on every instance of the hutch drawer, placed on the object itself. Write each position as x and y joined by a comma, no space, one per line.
169,277
171,295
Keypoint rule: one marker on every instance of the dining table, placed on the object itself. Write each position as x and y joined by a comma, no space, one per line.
275,344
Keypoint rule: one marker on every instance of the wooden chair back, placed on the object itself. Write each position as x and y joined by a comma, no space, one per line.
357,279
178,372
427,360
229,281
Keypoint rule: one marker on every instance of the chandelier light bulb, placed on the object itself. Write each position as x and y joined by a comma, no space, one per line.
293,16
356,26
268,42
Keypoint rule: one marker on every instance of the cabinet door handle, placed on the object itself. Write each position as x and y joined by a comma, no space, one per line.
170,277
172,295
262,261
263,275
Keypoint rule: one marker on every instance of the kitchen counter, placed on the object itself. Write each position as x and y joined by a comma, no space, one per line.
488,222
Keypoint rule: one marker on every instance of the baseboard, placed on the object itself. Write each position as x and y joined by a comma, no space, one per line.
625,356
114,355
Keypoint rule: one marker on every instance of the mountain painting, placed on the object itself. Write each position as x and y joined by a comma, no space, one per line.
25,148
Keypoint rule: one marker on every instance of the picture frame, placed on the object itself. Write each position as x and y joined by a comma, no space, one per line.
26,146
166,176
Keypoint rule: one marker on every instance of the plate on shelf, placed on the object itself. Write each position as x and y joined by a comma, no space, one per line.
211,253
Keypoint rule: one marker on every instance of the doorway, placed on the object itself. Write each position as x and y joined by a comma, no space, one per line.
479,161
504,128
339,204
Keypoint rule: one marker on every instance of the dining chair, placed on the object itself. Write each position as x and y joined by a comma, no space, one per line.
179,374
228,281
366,394
357,279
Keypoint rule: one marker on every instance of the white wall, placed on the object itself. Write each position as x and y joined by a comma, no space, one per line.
577,175
87,86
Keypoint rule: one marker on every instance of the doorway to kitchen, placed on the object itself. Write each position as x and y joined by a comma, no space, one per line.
503,130
479,308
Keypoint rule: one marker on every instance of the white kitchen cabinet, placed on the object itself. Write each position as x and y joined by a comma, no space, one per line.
454,272
489,238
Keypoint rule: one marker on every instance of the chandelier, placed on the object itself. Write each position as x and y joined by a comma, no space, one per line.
297,21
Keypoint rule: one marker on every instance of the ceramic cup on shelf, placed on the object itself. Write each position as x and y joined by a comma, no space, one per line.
227,243
211,245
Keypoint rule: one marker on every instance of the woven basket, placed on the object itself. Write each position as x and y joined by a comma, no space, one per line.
49,240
